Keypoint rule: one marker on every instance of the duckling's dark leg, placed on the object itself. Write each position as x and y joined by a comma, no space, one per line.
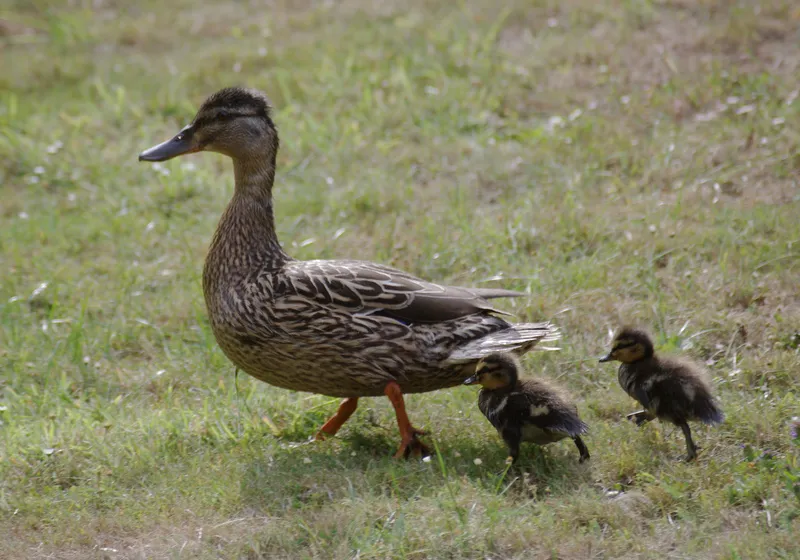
640,417
582,448
346,409
409,444
512,437
691,448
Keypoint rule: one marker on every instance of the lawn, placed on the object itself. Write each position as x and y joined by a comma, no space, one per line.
621,161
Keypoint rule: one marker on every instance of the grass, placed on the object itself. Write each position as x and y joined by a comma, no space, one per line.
622,161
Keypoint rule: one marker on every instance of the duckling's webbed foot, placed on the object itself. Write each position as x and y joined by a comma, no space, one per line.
640,417
691,448
409,442
584,451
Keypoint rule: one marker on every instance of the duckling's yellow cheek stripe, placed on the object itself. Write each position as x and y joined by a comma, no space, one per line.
490,383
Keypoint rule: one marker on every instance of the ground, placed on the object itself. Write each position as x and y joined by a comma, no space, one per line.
631,161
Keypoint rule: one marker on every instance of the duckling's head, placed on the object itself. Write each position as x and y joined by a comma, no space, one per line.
234,121
630,345
496,371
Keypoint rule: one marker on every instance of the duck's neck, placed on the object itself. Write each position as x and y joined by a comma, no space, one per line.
245,239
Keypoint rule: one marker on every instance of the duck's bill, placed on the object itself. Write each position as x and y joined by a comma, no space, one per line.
176,146
606,358
471,380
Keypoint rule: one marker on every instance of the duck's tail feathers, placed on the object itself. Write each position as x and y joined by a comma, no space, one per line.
517,339
492,293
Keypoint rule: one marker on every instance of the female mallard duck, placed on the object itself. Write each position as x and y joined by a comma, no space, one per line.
341,328
529,410
669,389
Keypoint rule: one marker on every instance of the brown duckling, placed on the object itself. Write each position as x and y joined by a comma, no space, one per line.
670,389
530,410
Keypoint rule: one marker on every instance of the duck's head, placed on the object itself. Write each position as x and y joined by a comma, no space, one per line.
629,345
234,121
496,371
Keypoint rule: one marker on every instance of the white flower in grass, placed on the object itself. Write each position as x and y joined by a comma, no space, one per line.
39,289
477,461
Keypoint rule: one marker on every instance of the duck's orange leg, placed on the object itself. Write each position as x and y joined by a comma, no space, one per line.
346,409
409,444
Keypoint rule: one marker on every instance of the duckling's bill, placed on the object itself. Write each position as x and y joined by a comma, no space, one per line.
178,145
476,377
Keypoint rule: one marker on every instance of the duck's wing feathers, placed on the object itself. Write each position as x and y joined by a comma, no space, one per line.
369,288
518,338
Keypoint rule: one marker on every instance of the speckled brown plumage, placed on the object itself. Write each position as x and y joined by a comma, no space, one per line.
670,389
530,410
342,328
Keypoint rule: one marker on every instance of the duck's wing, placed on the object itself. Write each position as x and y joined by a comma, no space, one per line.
368,288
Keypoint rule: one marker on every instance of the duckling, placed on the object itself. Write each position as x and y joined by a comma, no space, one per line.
670,389
530,410
344,328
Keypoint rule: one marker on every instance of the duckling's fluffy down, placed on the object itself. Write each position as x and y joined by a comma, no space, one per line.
673,389
533,402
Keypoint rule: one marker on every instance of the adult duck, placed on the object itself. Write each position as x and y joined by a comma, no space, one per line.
343,328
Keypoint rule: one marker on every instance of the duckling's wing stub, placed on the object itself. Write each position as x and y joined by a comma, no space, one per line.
557,420
363,287
640,394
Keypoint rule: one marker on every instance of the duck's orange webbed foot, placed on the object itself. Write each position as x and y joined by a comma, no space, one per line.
409,444
346,409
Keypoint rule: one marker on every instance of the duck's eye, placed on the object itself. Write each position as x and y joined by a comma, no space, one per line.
179,137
